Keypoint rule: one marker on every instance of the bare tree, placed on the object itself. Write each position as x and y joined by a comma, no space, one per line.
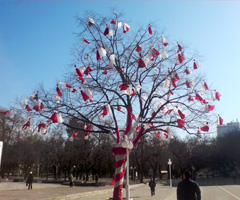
137,82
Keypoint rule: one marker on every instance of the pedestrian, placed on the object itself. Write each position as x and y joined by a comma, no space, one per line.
188,189
71,180
96,179
152,186
30,181
84,178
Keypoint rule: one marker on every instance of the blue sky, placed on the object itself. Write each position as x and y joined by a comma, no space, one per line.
36,39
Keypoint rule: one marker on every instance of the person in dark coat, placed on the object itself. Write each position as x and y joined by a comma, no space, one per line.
96,179
71,180
188,189
30,180
152,185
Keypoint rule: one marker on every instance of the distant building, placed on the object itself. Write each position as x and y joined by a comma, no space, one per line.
232,127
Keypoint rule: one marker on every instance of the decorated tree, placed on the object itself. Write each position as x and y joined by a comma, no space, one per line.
126,85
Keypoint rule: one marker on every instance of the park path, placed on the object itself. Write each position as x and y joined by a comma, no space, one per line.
214,189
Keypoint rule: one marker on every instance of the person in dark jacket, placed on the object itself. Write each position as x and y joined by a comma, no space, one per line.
152,185
188,189
71,180
30,180
96,178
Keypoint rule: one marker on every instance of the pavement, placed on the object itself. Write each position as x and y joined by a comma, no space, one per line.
214,189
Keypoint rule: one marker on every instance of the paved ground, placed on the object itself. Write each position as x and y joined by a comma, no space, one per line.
214,189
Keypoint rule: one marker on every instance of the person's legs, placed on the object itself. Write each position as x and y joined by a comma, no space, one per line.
152,191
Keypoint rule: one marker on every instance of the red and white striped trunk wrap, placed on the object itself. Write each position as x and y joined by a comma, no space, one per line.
121,164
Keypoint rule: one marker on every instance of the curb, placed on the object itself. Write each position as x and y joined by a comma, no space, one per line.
85,194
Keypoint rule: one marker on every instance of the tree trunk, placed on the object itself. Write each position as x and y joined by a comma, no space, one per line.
121,164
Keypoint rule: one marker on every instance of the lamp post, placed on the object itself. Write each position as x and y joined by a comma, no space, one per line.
170,179
128,145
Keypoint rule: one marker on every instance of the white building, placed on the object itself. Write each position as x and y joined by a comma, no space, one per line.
232,127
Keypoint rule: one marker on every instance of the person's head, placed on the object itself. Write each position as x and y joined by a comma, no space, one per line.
187,174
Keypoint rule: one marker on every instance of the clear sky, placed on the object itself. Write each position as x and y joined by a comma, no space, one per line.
36,39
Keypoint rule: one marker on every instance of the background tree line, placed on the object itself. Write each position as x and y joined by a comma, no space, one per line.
57,154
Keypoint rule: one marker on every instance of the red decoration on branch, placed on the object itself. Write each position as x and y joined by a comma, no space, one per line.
36,107
181,114
141,63
41,106
75,135
28,108
158,134
220,120
181,123
79,73
106,32
25,126
98,55
40,126
91,22
6,112
105,72
84,95
150,29
218,95
59,92
187,71
123,86
139,48
164,41
180,59
205,128
179,47
174,82
85,41
126,27
54,118
88,128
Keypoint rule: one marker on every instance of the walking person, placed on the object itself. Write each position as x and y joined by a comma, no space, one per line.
152,186
30,180
71,180
96,179
188,189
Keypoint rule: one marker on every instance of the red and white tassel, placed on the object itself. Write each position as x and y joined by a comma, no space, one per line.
204,87
164,41
111,61
150,29
27,125
196,65
139,48
164,54
126,27
220,120
91,22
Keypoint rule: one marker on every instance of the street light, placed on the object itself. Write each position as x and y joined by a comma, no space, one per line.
128,145
170,163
